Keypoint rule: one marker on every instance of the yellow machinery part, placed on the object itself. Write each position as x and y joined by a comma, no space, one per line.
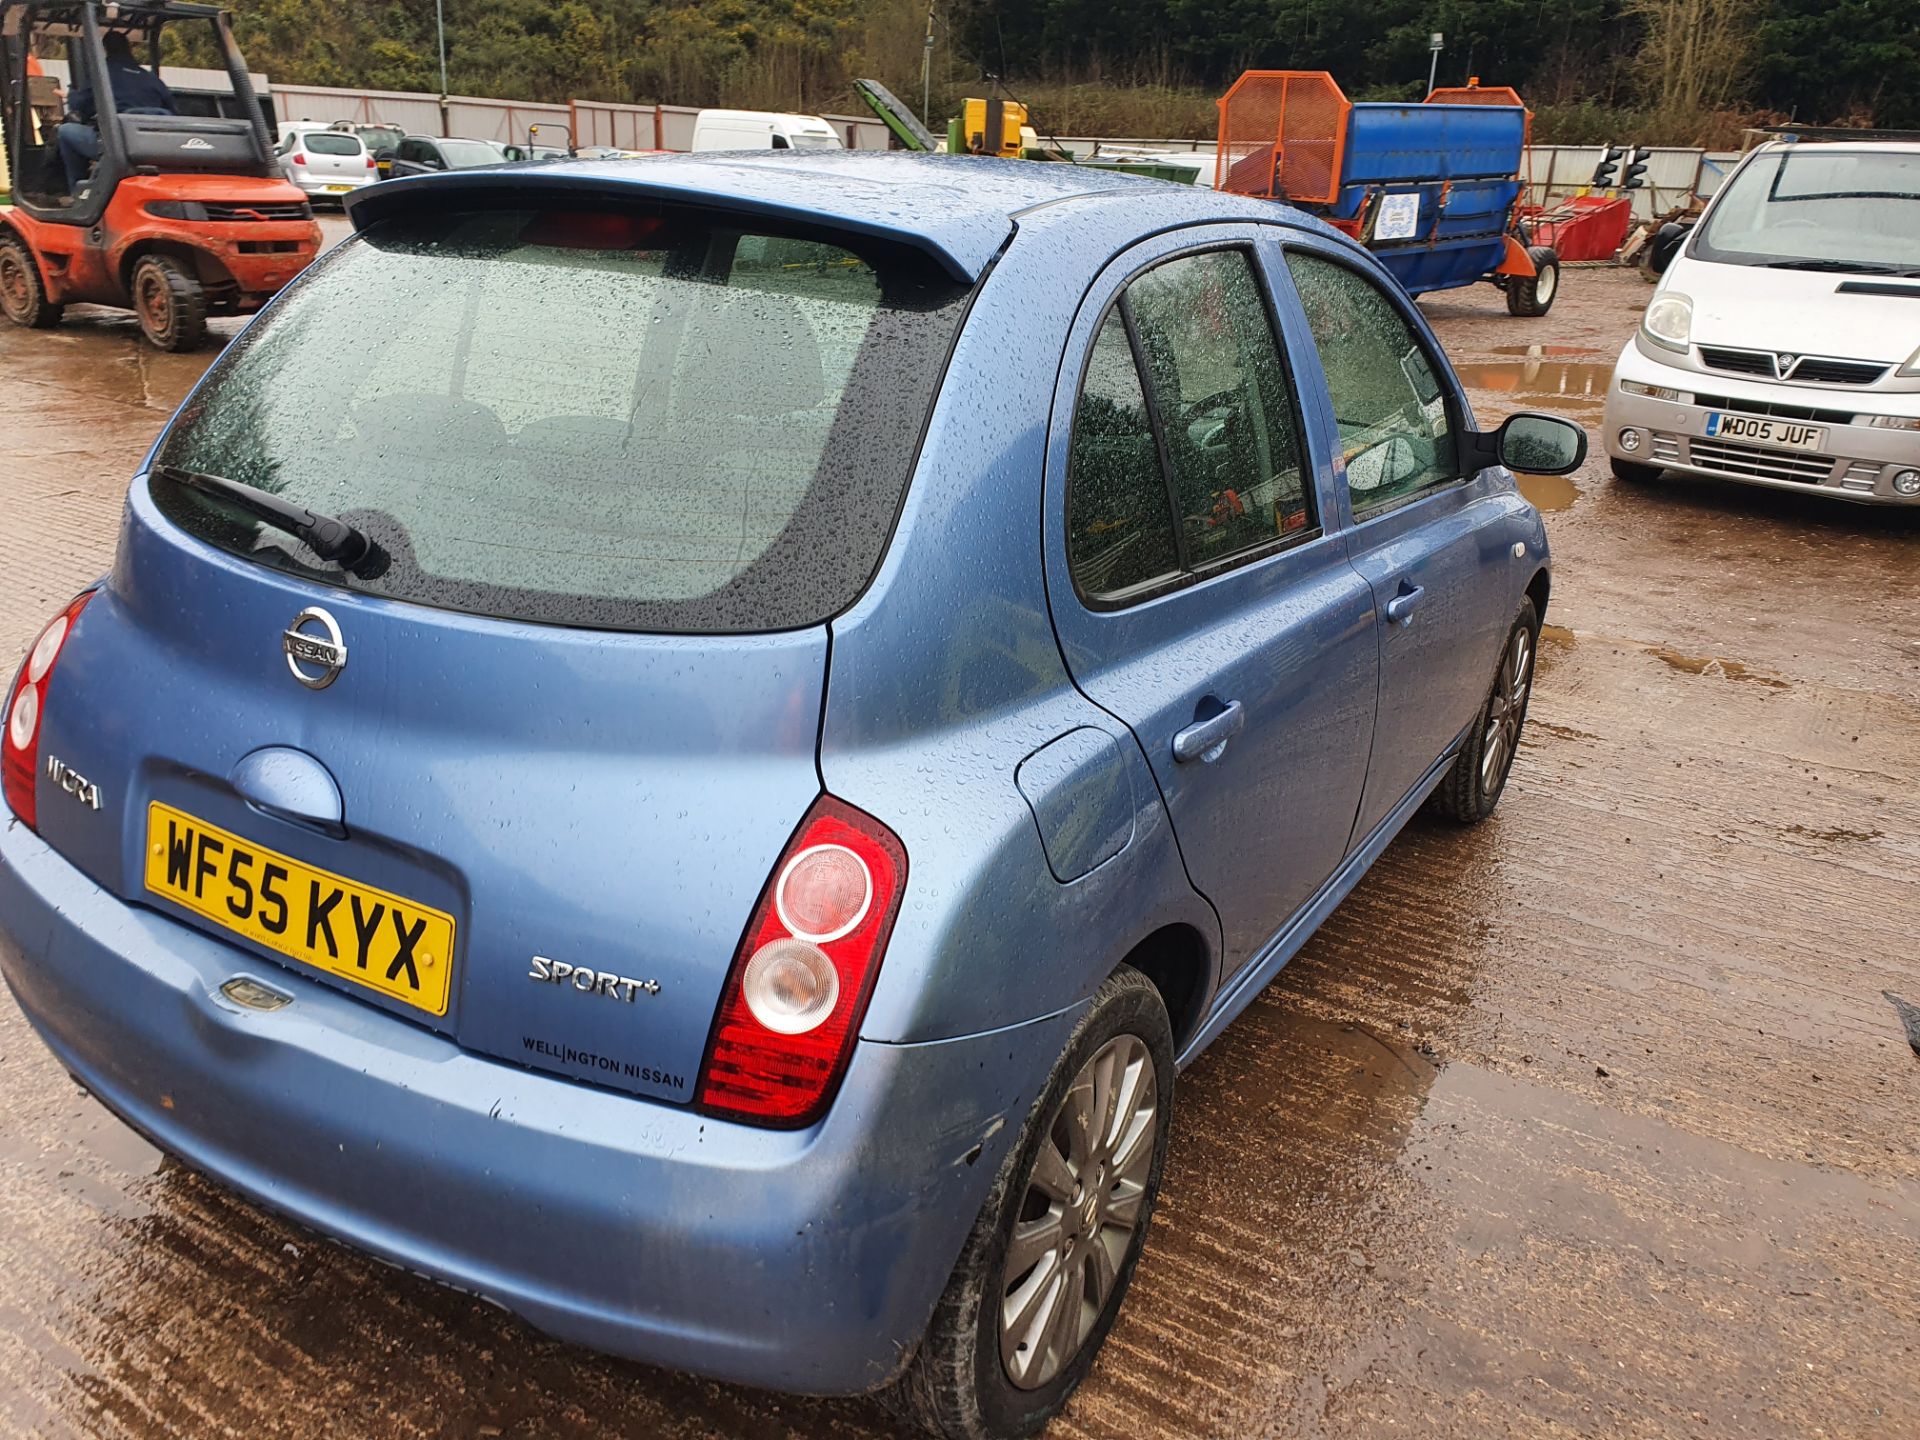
977,119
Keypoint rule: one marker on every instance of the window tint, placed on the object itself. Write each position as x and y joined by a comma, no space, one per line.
1394,431
633,420
1224,404
1119,525
323,142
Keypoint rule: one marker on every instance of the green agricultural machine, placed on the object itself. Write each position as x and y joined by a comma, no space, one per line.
1000,127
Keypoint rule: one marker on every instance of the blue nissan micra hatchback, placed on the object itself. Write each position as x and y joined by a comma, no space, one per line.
689,745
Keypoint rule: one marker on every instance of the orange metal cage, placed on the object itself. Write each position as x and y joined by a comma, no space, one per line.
1474,93
1283,134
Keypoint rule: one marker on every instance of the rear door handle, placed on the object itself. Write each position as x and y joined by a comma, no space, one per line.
1401,607
1206,740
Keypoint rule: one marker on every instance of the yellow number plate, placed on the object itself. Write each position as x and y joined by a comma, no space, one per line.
371,937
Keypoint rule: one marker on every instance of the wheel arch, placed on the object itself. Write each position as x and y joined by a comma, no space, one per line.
1538,589
206,267
10,230
1176,959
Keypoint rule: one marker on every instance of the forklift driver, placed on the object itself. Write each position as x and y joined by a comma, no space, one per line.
135,92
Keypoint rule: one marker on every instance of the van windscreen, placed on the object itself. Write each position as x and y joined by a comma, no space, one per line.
642,421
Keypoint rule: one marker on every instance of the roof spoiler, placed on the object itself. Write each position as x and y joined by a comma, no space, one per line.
963,245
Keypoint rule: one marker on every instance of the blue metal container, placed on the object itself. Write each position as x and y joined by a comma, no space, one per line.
1462,162
1430,188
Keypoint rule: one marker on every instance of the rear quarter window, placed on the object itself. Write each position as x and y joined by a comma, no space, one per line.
634,421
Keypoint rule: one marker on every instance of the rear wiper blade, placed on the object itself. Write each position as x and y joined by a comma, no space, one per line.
332,540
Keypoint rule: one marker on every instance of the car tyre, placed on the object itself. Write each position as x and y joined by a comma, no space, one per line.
961,1382
1534,294
23,294
1633,472
170,304
1479,773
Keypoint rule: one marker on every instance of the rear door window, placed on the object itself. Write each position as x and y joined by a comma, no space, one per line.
1231,436
1200,463
1119,524
629,420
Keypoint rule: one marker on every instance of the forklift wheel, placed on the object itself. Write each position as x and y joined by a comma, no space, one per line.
1533,294
22,294
169,302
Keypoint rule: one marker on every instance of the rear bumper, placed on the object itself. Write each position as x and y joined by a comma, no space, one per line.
807,1261
319,187
1858,462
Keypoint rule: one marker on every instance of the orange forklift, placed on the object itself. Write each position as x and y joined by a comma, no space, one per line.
118,199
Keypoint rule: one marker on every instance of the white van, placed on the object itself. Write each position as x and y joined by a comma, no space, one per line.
1783,345
762,130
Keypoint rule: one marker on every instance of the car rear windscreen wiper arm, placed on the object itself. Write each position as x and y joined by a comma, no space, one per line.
332,540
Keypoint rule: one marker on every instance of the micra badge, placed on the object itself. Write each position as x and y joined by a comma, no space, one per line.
73,782
589,981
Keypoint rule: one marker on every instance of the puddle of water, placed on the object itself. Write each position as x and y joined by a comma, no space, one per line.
1715,666
1548,492
1575,388
1549,352
1558,635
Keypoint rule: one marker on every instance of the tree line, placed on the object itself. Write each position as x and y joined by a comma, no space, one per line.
1657,71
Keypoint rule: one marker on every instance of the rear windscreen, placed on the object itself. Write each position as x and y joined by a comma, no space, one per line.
322,143
634,421
465,154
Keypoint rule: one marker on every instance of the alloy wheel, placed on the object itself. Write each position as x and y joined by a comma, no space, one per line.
1506,710
1083,1205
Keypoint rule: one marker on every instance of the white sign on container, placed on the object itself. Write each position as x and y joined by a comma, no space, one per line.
1399,217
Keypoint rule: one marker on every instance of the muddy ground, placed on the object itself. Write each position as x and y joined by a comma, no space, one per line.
1590,1122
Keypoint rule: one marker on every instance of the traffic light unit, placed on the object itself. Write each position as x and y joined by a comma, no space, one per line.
1608,175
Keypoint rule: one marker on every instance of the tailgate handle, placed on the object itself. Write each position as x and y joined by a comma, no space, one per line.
291,785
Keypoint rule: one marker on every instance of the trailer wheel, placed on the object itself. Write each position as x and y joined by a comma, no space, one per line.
1533,294
170,303
22,293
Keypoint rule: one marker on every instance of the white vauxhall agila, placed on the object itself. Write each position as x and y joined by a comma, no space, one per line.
1782,346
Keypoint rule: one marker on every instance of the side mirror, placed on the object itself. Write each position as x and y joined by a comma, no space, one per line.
1666,244
1540,444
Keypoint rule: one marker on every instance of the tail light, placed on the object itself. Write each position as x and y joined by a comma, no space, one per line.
26,714
298,158
370,164
805,968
